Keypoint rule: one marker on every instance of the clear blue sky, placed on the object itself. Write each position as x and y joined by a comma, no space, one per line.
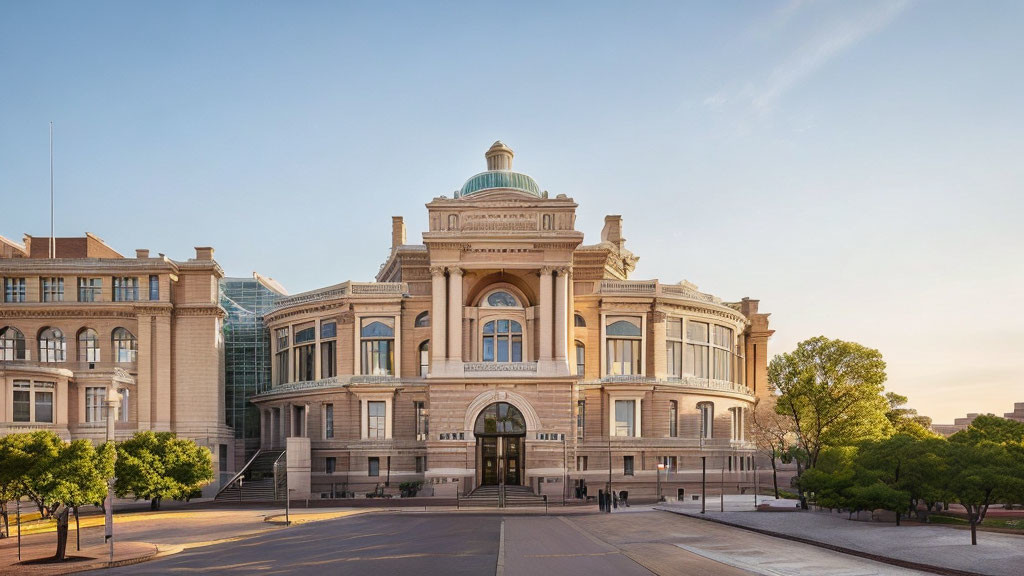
855,165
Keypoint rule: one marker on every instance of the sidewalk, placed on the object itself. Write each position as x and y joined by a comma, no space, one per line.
943,549
92,556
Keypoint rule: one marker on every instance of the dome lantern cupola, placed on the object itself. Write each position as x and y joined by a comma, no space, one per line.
499,157
499,175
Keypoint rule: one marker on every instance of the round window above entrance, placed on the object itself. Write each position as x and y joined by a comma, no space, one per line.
500,419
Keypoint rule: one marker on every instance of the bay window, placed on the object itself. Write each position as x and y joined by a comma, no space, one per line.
305,358
674,347
722,347
697,348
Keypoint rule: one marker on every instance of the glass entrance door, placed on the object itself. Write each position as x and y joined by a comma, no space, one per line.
511,458
489,460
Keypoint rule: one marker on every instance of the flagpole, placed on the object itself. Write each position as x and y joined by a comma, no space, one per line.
53,247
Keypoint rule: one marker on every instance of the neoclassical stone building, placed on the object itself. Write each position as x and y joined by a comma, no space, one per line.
505,351
85,325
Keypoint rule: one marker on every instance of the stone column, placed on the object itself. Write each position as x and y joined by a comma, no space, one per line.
561,302
544,324
455,314
437,318
660,356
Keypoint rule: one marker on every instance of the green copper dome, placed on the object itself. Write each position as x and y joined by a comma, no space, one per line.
499,179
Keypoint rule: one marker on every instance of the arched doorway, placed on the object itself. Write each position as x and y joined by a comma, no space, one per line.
500,432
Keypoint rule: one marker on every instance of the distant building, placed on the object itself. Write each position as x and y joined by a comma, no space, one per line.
962,423
91,322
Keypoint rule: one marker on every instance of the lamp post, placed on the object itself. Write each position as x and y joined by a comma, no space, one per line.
661,466
703,481
113,401
608,493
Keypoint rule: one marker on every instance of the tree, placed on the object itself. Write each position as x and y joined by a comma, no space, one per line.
982,474
833,391
991,428
12,467
773,434
906,420
153,466
63,476
910,465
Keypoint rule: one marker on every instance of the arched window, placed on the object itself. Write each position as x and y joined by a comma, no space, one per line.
581,359
623,342
707,419
52,347
578,321
424,358
378,340
422,320
500,419
88,345
502,299
503,341
125,345
12,344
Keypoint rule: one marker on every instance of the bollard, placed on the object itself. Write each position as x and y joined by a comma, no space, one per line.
600,500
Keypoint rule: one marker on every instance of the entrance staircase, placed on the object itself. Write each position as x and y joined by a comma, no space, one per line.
504,496
255,482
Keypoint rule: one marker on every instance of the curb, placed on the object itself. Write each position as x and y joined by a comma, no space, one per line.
851,551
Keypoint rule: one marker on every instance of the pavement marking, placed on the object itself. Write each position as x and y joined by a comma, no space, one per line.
499,570
587,535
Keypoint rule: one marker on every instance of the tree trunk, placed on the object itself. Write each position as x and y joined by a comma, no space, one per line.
62,534
155,504
6,520
775,477
78,533
974,530
799,487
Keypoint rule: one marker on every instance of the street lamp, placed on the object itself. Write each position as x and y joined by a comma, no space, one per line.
113,401
703,481
661,466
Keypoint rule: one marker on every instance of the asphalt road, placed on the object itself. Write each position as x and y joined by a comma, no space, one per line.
636,543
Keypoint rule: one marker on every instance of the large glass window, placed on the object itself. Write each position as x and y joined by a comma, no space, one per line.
424,358
422,420
674,347
707,419
43,392
623,341
305,358
281,337
154,287
94,399
126,289
125,346
89,289
378,340
581,359
722,349
14,289
12,344
88,345
501,298
52,346
503,340
697,348
22,401
500,418
376,420
51,289
625,413
328,349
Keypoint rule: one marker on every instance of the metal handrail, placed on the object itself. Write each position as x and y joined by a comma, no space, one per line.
277,480
239,475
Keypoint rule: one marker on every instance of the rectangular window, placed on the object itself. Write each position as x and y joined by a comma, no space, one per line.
89,289
328,421
421,464
328,359
697,349
330,464
707,419
668,462
44,402
125,408
373,467
673,418
154,287
625,411
627,465
14,289
281,375
581,463
126,289
422,420
375,424
94,398
51,289
581,360
623,357
305,362
581,418
222,457
22,401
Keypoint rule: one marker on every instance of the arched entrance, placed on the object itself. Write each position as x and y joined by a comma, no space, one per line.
500,432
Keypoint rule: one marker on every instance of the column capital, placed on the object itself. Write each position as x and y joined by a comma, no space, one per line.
564,270
455,271
547,270
437,270
658,317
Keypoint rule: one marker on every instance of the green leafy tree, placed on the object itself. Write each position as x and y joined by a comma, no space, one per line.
62,476
990,428
13,462
158,465
913,466
833,391
906,420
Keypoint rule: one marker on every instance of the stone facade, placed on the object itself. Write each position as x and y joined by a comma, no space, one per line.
504,350
91,326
